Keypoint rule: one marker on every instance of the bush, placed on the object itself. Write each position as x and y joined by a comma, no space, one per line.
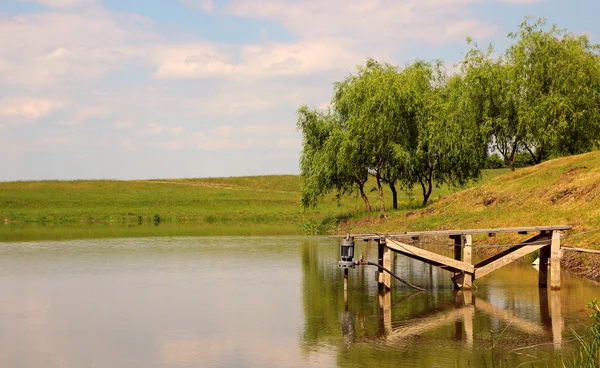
523,159
494,162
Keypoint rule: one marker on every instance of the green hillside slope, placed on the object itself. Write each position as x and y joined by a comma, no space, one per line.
561,191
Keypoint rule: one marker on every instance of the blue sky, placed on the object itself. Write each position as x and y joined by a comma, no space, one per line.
128,89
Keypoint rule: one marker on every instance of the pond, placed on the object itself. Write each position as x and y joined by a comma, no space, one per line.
268,302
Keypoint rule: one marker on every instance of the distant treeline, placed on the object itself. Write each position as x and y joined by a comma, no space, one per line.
417,125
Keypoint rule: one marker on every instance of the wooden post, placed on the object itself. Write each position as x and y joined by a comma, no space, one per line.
467,251
385,260
543,266
458,239
555,258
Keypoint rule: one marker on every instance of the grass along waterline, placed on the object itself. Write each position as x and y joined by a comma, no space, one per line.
261,205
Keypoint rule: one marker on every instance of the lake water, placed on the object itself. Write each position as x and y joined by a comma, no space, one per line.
267,302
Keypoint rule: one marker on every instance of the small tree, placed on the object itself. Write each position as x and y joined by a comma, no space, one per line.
329,161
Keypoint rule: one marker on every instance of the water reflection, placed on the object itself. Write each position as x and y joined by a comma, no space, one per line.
269,302
439,327
462,314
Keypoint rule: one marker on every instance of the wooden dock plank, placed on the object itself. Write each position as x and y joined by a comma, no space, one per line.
411,234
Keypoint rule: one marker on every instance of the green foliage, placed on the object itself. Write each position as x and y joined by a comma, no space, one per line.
449,143
523,159
494,162
588,351
397,125
541,96
330,159
417,126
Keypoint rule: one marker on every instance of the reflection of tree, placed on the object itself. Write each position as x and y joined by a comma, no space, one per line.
320,301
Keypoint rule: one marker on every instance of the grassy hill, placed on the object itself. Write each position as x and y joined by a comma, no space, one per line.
561,191
260,205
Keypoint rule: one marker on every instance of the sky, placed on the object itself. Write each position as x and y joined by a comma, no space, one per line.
141,89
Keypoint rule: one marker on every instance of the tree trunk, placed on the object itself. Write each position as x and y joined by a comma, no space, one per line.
540,152
531,153
394,196
380,190
511,161
364,197
426,189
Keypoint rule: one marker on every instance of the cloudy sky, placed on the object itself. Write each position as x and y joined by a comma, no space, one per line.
126,89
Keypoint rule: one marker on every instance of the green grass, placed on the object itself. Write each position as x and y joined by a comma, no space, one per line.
260,205
562,191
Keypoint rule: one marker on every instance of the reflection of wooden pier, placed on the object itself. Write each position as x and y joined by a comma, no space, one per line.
547,241
463,315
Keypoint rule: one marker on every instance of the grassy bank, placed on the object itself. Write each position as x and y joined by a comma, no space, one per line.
561,191
261,205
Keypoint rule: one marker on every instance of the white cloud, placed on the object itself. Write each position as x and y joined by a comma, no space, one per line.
31,108
520,1
65,47
83,113
63,4
124,124
156,129
45,144
265,60
334,34
368,21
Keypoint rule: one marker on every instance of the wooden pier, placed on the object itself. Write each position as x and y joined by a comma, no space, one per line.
546,240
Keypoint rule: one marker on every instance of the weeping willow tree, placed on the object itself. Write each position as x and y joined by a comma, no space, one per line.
541,96
396,125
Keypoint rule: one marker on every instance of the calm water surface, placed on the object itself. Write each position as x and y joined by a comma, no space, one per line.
268,302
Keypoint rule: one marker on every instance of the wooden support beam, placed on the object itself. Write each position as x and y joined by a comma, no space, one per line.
539,237
516,253
458,243
543,267
467,252
414,252
555,258
385,260
580,250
